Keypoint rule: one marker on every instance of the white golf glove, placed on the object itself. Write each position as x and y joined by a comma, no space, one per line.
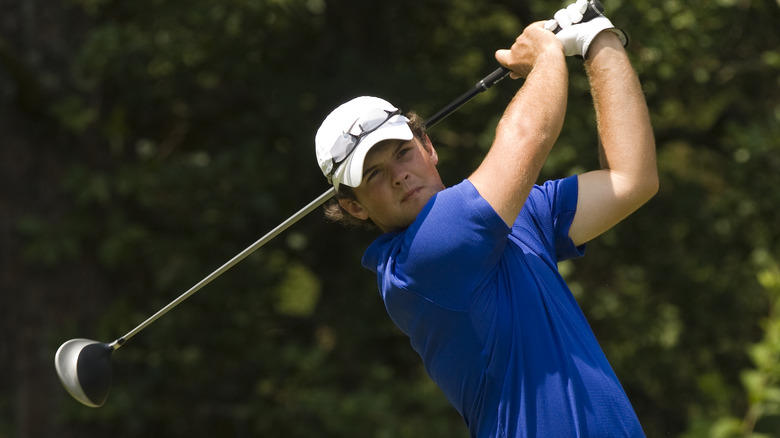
576,35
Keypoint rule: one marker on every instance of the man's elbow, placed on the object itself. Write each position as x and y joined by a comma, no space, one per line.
644,175
637,187
647,185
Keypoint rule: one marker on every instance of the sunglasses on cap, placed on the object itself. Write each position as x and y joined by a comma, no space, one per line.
346,143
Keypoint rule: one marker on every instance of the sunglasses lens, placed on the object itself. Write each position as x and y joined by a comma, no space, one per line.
371,121
342,147
346,142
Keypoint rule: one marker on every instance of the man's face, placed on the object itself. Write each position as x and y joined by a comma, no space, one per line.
399,177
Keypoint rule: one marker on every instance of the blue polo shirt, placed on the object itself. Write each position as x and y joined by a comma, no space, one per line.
496,326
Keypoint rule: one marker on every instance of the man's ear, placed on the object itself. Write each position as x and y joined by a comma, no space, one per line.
354,208
430,149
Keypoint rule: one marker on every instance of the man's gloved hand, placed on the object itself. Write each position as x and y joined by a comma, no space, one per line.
576,35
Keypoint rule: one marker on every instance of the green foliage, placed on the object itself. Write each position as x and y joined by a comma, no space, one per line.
762,382
178,132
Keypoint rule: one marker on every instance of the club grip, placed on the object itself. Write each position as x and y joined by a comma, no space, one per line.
493,78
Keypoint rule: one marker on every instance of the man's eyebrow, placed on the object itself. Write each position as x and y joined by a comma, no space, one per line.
401,143
367,170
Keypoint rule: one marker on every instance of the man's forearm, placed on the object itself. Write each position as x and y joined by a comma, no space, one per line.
530,125
533,120
526,133
628,177
621,112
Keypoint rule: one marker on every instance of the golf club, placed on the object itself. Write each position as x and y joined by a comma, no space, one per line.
84,365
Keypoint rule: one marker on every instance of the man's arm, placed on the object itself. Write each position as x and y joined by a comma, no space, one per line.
530,125
628,177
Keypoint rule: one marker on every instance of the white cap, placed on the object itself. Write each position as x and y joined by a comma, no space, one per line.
345,122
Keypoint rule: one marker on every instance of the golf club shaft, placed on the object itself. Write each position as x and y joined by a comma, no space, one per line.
594,9
229,264
484,84
286,224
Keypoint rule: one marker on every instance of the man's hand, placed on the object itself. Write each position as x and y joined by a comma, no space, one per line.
576,35
526,50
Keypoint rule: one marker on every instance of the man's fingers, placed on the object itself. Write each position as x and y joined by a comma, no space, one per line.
550,25
574,12
562,17
503,56
582,6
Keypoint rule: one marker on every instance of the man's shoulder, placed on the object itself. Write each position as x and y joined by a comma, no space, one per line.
452,221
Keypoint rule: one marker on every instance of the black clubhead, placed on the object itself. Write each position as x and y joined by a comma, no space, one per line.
84,368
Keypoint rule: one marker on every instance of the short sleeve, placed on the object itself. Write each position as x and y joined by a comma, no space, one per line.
547,215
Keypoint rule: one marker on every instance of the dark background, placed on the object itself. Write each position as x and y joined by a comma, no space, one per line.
143,143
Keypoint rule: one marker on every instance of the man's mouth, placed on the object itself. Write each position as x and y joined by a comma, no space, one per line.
410,194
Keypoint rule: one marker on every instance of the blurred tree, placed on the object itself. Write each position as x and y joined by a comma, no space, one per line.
762,382
146,142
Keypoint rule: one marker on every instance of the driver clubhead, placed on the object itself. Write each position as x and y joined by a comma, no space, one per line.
84,368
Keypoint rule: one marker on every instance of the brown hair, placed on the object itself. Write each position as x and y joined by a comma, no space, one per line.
336,213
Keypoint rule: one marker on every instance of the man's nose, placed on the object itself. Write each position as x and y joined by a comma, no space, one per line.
400,174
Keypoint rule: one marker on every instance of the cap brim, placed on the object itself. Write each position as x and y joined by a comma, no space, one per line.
351,172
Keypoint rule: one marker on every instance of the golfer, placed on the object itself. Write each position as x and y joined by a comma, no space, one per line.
469,272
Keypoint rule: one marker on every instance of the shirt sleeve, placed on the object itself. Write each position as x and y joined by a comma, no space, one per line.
548,214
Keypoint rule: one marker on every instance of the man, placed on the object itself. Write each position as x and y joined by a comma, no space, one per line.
469,272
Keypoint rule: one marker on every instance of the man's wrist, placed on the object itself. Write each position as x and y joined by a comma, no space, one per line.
605,39
551,57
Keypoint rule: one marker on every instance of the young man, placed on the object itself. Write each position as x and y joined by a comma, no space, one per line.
469,272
